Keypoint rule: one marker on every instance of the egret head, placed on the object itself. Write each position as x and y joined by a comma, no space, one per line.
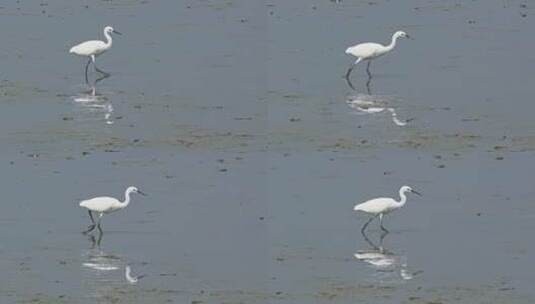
401,34
108,30
406,189
133,189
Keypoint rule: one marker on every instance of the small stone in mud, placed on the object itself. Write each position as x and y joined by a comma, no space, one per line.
223,170
441,166
499,158
221,160
238,158
295,119
85,153
33,155
278,293
136,140
196,302
437,156
387,172
478,214
11,162
67,118
137,107
279,259
261,218
363,141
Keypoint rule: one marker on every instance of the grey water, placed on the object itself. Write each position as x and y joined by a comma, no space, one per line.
235,119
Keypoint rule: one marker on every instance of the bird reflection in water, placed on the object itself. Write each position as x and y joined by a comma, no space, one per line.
387,264
102,275
130,278
105,275
97,259
374,104
96,103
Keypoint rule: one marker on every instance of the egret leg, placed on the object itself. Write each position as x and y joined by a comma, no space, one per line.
368,240
349,71
352,66
96,68
367,223
381,221
86,70
369,90
99,220
99,238
92,226
368,69
350,84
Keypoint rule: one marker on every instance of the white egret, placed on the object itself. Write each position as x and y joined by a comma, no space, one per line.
383,205
94,48
369,51
128,275
104,205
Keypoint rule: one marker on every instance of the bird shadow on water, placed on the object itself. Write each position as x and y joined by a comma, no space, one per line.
94,103
388,266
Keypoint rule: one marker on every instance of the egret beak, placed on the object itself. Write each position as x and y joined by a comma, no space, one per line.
410,37
142,193
416,192
116,32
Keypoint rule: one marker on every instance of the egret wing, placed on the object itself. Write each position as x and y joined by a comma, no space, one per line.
377,205
98,204
92,47
365,50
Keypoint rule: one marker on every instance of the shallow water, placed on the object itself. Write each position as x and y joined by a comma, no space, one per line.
235,118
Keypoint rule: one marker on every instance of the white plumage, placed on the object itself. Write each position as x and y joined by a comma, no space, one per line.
104,205
383,205
370,50
91,47
94,48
